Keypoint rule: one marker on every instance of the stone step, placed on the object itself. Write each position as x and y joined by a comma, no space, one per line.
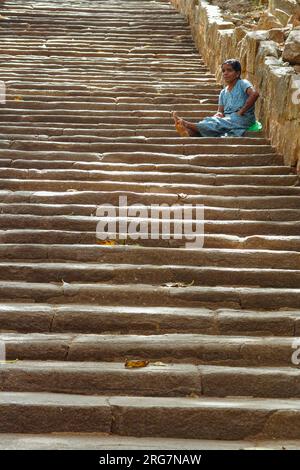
142,294
74,272
94,198
176,348
195,148
183,169
139,255
240,418
102,441
152,187
147,177
148,274
87,318
204,159
146,167
90,223
164,380
219,241
155,108
173,140
211,213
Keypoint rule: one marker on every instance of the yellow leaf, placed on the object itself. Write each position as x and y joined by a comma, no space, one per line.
134,363
193,395
19,98
107,242
178,284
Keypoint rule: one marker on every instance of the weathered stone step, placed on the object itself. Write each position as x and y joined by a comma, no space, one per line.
139,99
160,167
74,136
110,40
86,175
108,94
176,348
166,380
155,108
210,213
87,318
234,418
82,223
140,255
102,441
97,116
118,274
47,66
71,50
107,76
233,242
142,294
140,187
95,198
101,379
56,85
201,159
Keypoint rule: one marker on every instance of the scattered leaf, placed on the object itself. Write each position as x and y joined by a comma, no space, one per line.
19,98
135,363
178,284
71,190
107,242
182,196
193,395
3,17
158,364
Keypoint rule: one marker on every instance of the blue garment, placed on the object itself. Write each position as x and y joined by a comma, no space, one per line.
232,124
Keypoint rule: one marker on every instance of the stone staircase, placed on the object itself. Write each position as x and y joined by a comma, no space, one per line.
90,87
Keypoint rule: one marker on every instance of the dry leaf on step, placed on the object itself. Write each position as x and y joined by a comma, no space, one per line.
132,364
107,242
182,196
178,284
18,98
193,395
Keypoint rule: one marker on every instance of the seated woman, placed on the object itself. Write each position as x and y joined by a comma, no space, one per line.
236,112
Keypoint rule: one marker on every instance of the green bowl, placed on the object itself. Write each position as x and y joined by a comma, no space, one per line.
256,127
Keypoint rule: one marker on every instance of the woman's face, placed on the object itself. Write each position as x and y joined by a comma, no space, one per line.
229,74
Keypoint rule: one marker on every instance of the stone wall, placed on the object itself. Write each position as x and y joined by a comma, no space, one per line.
260,53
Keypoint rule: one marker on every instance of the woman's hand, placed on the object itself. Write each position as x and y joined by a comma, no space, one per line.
240,113
220,115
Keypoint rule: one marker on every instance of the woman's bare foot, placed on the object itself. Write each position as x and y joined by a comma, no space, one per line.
184,128
179,125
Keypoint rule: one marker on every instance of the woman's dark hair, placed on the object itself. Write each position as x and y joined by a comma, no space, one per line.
235,64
